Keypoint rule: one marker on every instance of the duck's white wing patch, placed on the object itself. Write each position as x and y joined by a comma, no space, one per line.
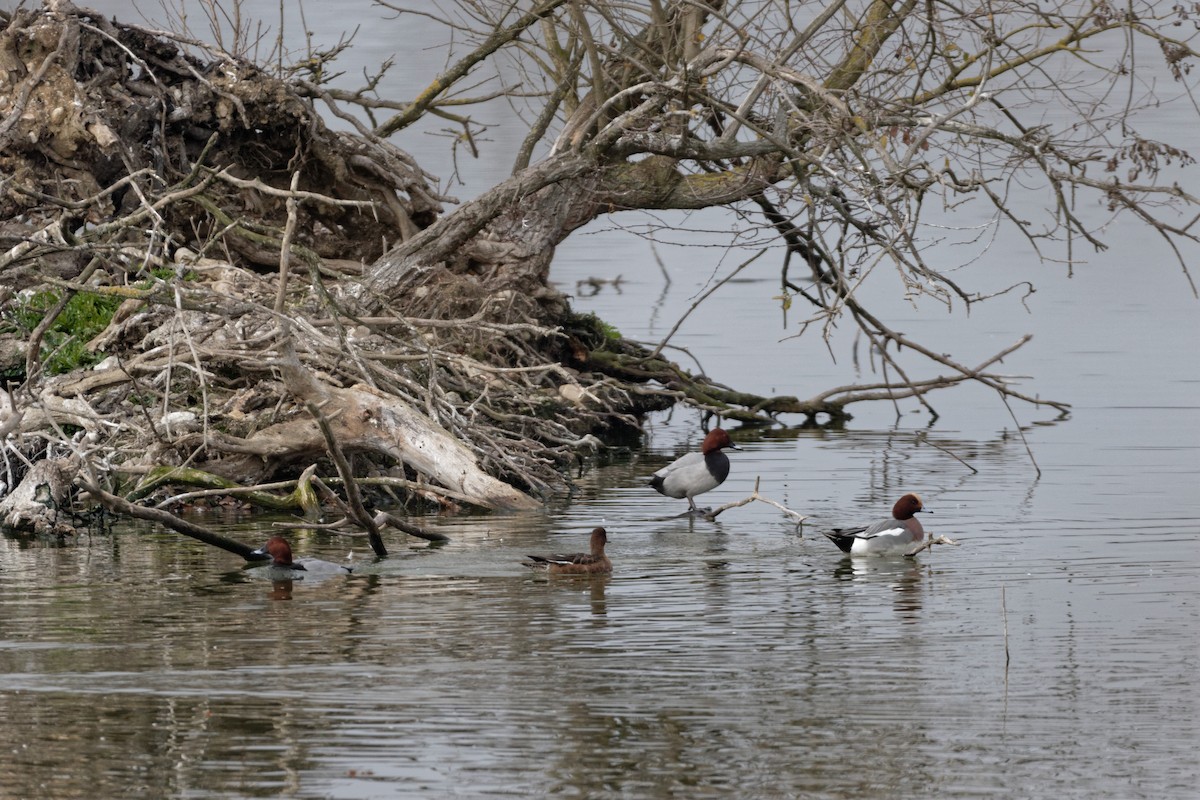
896,531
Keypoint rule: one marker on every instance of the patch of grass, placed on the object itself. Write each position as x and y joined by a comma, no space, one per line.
167,274
65,343
610,331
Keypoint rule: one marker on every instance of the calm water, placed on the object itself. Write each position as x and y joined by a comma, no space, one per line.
1054,653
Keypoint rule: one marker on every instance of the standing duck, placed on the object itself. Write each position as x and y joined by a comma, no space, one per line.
696,473
894,536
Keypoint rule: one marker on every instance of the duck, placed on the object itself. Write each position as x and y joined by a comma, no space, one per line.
593,563
283,566
894,536
696,473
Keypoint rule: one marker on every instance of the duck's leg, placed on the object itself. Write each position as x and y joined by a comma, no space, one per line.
691,505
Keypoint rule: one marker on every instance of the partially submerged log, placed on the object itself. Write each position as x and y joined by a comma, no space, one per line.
41,504
369,420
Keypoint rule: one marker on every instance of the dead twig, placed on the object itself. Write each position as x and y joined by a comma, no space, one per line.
353,496
701,299
384,518
285,246
381,519
756,497
923,439
1021,433
1004,616
928,544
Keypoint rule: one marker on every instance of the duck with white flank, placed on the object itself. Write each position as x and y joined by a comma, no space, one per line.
887,537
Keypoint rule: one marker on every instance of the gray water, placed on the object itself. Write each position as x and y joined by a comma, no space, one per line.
1054,653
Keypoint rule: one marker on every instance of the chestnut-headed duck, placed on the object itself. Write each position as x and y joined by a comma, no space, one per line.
887,537
283,566
696,473
593,563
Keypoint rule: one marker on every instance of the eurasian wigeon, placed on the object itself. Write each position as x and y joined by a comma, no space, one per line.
593,563
895,536
696,473
283,566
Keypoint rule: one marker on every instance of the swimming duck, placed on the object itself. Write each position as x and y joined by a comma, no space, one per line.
894,536
593,563
283,566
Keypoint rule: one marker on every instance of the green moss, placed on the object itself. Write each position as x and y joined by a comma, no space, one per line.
610,332
167,274
593,330
64,345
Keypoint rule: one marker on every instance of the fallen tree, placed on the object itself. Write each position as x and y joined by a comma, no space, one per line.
198,274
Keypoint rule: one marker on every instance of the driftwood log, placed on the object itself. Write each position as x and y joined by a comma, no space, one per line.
42,502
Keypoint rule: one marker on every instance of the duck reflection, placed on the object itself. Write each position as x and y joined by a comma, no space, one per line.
588,598
599,598
903,575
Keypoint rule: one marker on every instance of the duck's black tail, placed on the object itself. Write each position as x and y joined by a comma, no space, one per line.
842,537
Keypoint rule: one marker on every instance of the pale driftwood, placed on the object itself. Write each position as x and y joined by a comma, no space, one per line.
364,418
392,426
10,415
756,497
41,503
928,545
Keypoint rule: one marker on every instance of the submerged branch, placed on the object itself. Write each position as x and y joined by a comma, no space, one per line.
121,506
753,497
928,544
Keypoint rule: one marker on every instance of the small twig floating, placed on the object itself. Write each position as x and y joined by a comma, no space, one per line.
1004,616
755,496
